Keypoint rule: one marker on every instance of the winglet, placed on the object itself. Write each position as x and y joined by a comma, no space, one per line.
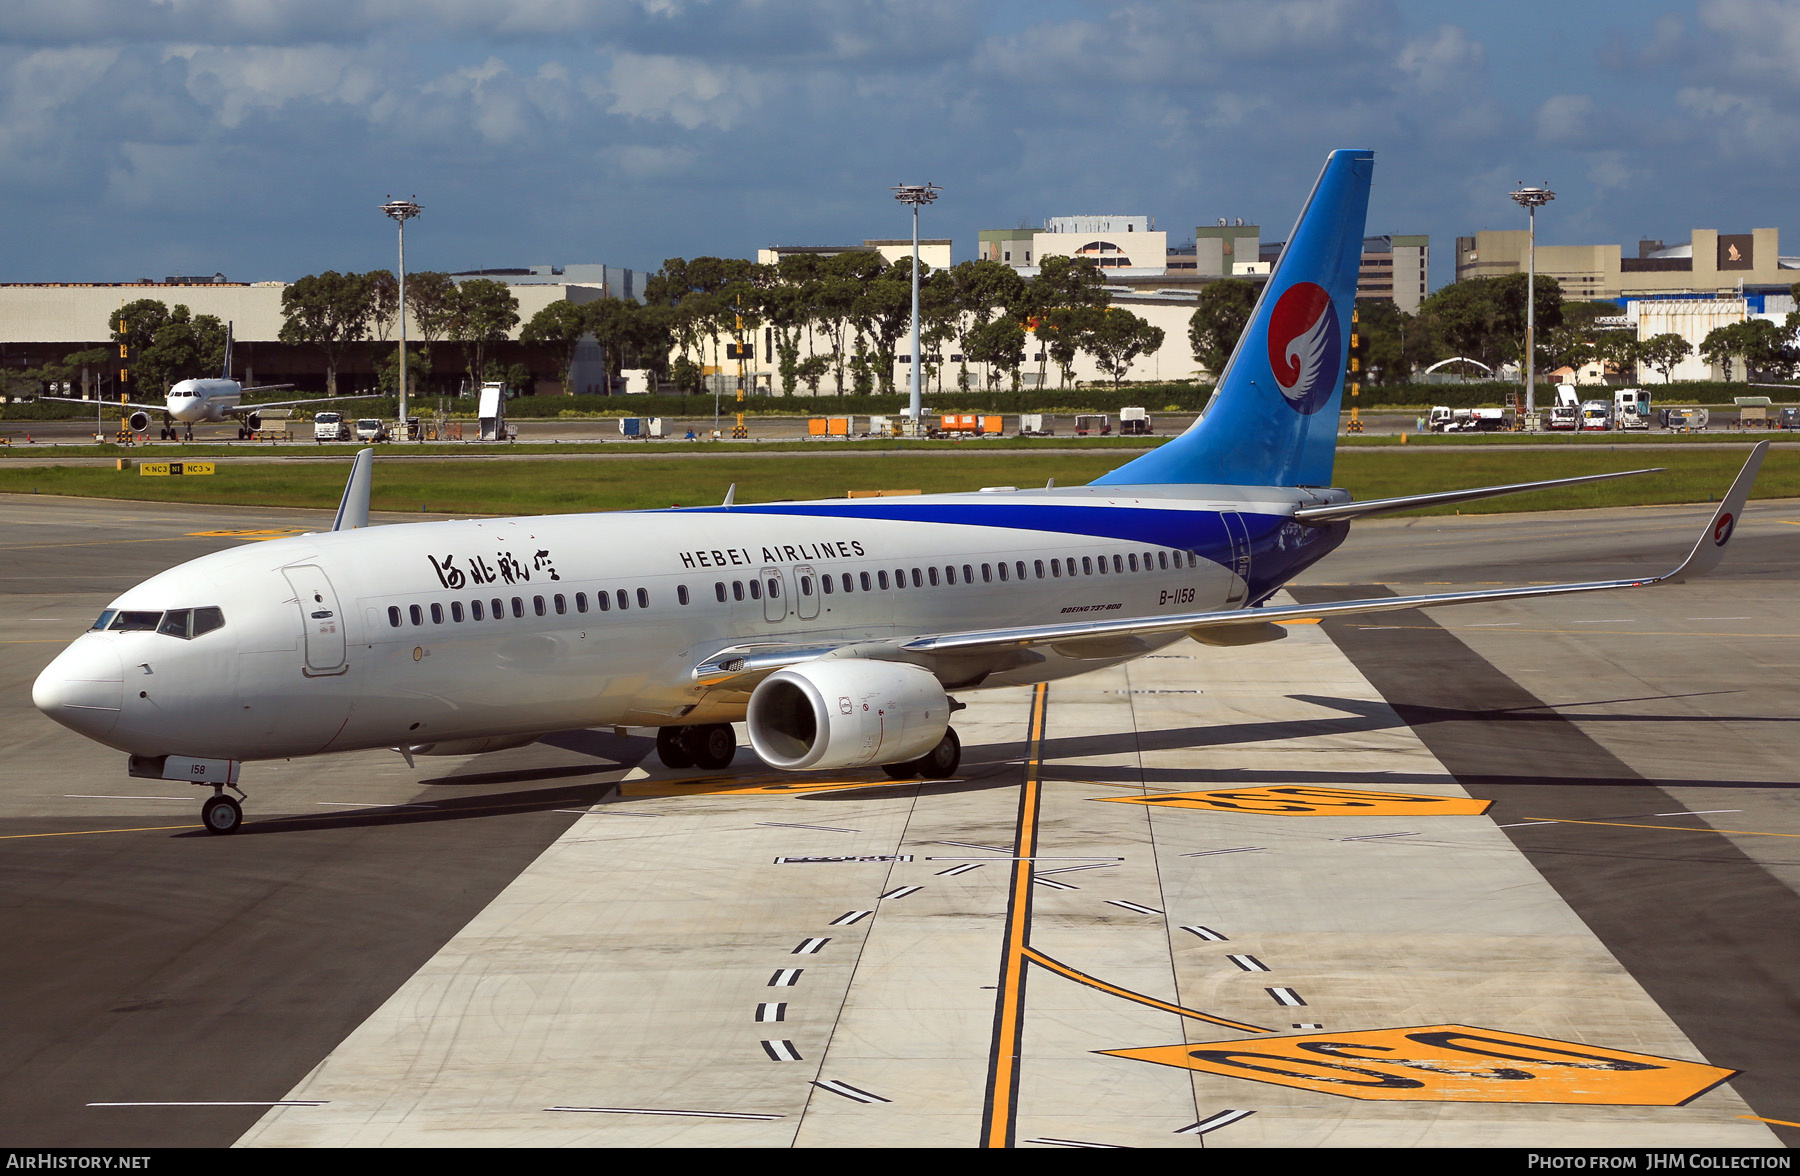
1711,548
353,511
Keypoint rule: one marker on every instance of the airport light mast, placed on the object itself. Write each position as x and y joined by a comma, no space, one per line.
1531,199
402,211
915,195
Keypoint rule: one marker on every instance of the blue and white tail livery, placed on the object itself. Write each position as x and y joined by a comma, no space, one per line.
1274,419
836,631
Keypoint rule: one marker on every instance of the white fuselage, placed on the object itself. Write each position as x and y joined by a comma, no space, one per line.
388,636
193,402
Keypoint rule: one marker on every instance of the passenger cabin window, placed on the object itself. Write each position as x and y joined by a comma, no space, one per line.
681,593
537,605
824,583
475,612
499,609
719,591
624,600
416,615
737,589
456,612
561,602
518,606
756,590
604,600
581,602
643,595
437,614
394,615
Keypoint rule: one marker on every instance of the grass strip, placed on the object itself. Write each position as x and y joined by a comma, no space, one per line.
525,486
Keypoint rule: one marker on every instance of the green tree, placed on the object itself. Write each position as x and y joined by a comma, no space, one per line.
384,303
1223,313
1394,343
482,313
1763,347
1063,283
135,325
1118,339
329,311
1662,352
1066,332
983,288
1000,347
1484,318
561,326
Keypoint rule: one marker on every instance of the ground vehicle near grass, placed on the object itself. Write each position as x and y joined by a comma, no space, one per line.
328,426
1631,408
371,429
1596,416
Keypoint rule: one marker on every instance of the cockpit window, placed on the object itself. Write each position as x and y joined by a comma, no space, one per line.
207,619
106,618
175,623
134,622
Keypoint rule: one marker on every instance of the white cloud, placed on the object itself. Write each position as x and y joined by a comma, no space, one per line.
685,91
1445,61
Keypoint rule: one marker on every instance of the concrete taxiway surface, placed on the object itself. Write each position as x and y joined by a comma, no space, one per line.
1506,875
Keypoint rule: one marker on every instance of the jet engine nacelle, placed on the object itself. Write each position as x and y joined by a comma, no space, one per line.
847,713
139,421
253,421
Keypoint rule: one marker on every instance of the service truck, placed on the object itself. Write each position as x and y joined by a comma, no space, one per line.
1444,419
1565,414
1134,422
328,426
1596,416
1631,409
490,413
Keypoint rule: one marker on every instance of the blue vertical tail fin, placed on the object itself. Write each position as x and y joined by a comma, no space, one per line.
1273,419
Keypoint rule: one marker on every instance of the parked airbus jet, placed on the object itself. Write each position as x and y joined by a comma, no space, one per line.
836,631
209,400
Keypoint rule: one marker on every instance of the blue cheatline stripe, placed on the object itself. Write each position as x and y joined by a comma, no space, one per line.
1201,531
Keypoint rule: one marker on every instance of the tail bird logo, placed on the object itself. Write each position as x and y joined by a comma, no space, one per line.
1305,346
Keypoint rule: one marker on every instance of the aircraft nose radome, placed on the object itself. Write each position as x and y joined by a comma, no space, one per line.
81,689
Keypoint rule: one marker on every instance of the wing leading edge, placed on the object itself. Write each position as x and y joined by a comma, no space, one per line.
741,667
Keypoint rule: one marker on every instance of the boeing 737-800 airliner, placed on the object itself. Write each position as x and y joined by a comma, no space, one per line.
836,631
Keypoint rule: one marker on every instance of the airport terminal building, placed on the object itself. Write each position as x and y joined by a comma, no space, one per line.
43,322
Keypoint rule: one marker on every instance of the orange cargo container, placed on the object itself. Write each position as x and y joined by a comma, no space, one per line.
815,427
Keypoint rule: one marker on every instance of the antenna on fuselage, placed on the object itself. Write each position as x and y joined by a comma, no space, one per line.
731,495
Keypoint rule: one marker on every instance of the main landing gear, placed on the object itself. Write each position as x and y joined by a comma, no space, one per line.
707,745
220,813
939,762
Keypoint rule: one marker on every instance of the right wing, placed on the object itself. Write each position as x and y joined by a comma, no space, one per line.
957,656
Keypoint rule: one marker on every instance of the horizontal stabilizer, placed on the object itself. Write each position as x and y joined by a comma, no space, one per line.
1341,511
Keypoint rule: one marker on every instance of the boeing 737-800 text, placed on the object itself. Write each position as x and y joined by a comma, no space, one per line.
836,631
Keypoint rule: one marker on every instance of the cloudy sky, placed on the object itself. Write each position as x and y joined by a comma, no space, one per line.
256,137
